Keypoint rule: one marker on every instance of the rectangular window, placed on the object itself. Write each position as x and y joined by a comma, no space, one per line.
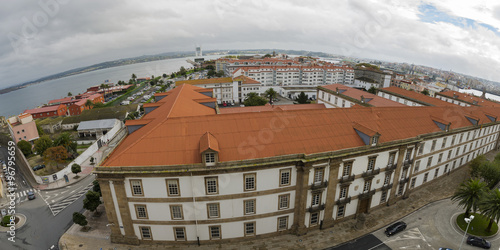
249,182
387,179
136,187
367,186
213,210
453,139
314,218
347,169
436,173
284,201
343,192
443,144
285,175
209,157
141,211
371,163
249,206
421,149
401,189
249,228
392,156
417,166
215,232
180,233
458,151
176,212
445,169
383,196
340,211
282,223
173,187
426,175
316,199
146,233
318,175
408,154
429,161
468,134
413,180
440,157
433,146
461,138
211,185
449,154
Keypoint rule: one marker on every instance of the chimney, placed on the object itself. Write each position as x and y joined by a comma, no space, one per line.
362,99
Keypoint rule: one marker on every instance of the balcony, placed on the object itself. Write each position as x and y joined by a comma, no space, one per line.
391,167
408,162
344,179
403,181
371,173
387,187
319,185
343,201
316,208
366,195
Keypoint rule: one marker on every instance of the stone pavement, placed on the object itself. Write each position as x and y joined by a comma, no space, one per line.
318,239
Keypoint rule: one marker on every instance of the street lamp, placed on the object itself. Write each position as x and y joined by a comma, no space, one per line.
467,220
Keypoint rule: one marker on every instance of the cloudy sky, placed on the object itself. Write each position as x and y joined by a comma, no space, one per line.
44,37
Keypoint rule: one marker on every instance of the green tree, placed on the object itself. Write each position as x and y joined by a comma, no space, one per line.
210,67
55,155
164,75
490,173
96,188
490,206
64,140
80,219
75,168
475,166
219,73
271,94
70,94
89,104
182,71
99,105
211,73
469,195
91,201
39,129
42,144
172,75
25,147
372,90
134,77
302,98
267,55
253,99
425,92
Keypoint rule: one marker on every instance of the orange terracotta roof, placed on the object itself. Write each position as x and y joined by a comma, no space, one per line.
269,107
205,81
24,115
176,140
421,98
61,100
43,109
137,122
208,141
369,99
469,98
246,80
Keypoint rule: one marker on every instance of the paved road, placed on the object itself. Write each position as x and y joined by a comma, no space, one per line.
366,242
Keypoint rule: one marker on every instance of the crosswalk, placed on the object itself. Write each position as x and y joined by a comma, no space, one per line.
24,193
57,207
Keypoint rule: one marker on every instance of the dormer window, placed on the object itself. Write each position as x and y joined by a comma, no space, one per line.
209,158
209,149
374,140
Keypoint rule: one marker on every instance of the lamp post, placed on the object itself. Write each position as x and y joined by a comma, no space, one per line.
467,220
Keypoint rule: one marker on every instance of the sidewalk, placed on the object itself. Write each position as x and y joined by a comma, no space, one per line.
340,233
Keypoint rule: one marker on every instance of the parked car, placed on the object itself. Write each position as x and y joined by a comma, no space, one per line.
478,242
38,167
395,228
31,195
125,103
4,212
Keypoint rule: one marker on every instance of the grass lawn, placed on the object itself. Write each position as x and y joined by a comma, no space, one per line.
477,226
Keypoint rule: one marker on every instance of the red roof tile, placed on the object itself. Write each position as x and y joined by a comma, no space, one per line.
423,99
369,98
470,99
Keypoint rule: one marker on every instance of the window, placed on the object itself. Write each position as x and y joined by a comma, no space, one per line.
340,211
461,138
392,156
453,140
426,175
401,189
285,175
413,180
383,196
211,185
421,149
343,192
314,218
173,187
436,173
249,182
250,228
146,233
443,144
371,163
429,161
347,169
209,157
318,175
215,232
458,151
367,186
17,132
408,154
180,233
213,210
440,157
417,166
387,179
468,134
136,187
141,211
282,223
433,146
449,154
176,212
284,201
249,206
374,140
316,199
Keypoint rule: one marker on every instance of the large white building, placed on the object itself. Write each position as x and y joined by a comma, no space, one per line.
186,174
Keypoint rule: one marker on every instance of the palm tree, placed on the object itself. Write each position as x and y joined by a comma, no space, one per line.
490,206
89,103
271,94
469,195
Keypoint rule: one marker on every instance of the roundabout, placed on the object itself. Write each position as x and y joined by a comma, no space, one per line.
20,221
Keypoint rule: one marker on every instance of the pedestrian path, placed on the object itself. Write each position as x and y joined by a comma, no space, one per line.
24,193
58,206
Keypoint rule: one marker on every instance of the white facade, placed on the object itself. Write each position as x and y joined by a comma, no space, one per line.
452,100
399,99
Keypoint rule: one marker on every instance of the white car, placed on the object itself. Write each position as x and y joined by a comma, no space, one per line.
125,103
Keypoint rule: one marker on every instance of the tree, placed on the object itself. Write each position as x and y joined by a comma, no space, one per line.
134,77
469,195
271,94
64,140
75,168
96,188
70,94
172,75
99,105
91,201
42,144
425,92
475,166
89,104
79,219
490,173
25,147
302,98
182,71
40,130
219,73
164,75
372,90
490,206
55,155
267,55
211,73
253,99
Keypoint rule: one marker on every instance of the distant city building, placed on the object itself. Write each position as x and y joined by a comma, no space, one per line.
96,128
410,98
23,127
48,111
341,96
465,100
199,52
368,77
77,107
